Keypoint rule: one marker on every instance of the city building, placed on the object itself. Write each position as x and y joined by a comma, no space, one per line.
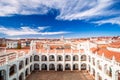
95,58
11,44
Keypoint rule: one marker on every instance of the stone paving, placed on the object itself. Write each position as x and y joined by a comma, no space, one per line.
59,75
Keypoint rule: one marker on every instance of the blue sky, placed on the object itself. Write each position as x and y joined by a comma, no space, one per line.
56,18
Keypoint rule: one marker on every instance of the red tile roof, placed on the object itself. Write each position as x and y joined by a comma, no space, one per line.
108,54
114,44
18,50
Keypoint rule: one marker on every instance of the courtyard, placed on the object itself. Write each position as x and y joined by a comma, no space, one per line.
59,75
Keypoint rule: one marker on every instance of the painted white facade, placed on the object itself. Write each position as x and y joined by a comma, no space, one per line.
11,44
113,49
24,64
23,44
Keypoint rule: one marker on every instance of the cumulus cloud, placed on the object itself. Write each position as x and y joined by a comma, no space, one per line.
28,31
68,10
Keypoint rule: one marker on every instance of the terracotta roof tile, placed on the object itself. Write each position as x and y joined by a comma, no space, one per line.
114,44
75,51
108,54
94,49
18,50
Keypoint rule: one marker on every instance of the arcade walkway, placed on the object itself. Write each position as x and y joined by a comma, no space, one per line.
66,75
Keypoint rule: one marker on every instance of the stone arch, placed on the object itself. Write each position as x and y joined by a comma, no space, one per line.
26,72
30,58
36,66
51,67
99,77
59,67
117,75
98,62
83,58
21,65
83,66
110,71
12,70
44,58
59,58
75,58
31,69
93,61
21,76
89,68
14,79
26,61
67,66
89,58
75,66
36,58
44,66
51,58
2,75
67,57
93,72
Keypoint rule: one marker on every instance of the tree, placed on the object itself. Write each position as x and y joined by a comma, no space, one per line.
19,46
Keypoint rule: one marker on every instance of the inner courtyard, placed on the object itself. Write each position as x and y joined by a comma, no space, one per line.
59,75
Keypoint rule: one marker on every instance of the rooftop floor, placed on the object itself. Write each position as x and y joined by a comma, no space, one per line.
66,75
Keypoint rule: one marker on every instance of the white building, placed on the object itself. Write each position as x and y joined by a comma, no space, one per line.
18,65
11,44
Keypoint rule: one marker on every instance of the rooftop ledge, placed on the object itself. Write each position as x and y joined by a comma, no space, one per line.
113,49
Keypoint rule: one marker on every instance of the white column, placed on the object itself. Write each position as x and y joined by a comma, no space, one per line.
113,74
17,65
79,64
116,76
17,70
24,67
40,67
113,70
71,62
55,62
63,67
96,67
55,66
87,62
32,67
32,58
55,58
40,61
28,70
63,62
7,72
47,67
24,77
91,71
48,62
96,75
103,71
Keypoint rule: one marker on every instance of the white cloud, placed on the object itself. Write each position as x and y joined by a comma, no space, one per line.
69,9
42,28
24,7
28,31
54,33
82,9
115,20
